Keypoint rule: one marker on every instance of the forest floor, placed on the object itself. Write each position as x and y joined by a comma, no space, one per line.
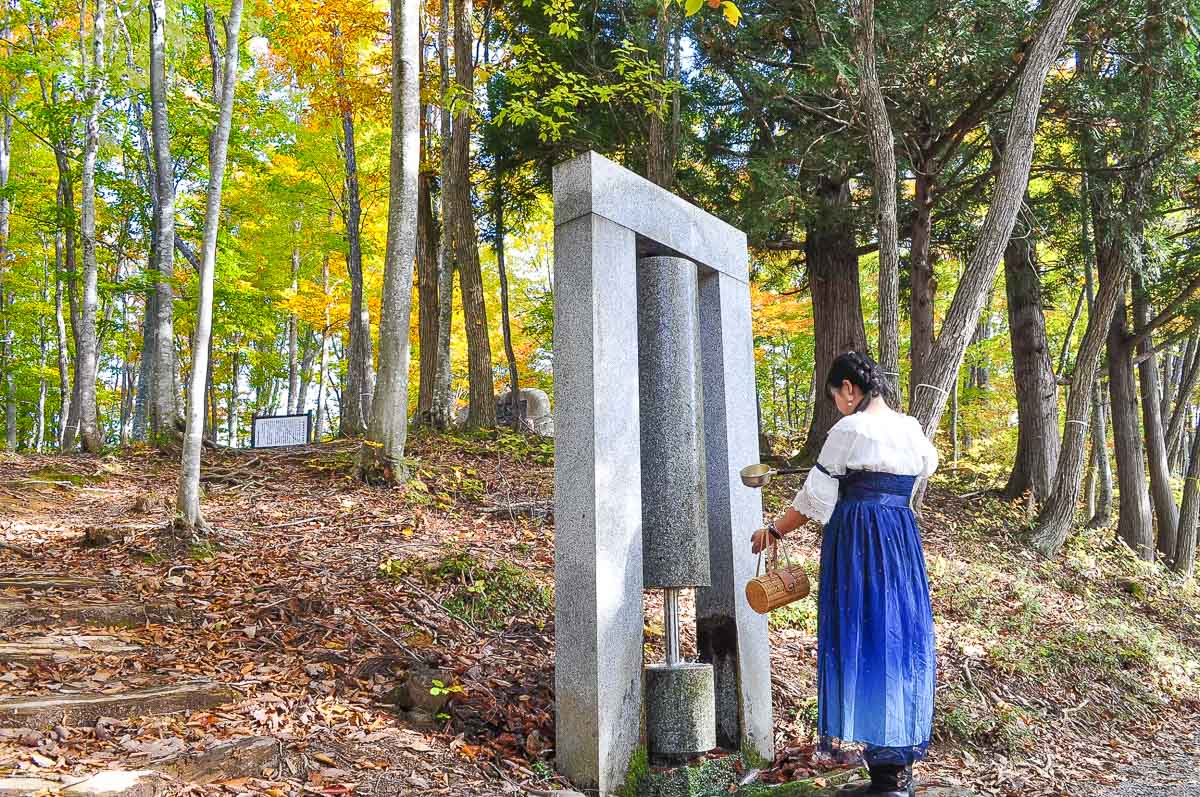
281,656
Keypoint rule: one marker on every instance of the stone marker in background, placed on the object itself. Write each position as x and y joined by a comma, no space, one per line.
606,218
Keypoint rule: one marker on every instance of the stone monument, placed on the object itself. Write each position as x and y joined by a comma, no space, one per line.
654,416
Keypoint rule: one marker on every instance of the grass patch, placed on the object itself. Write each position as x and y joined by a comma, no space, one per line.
485,594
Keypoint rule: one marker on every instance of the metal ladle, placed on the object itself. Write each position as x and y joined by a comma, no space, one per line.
760,475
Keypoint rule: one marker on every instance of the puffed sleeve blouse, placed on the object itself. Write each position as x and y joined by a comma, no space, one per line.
885,442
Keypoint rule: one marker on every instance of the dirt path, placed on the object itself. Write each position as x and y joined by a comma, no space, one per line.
1175,774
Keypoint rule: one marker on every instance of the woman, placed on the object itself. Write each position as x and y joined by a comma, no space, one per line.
875,646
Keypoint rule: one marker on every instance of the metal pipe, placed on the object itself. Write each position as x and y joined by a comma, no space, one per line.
671,626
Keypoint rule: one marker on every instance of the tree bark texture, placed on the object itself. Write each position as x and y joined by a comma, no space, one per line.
1183,559
883,156
293,331
443,401
1166,513
162,401
461,220
360,370
187,504
382,455
1134,524
1033,374
923,288
836,298
427,299
88,353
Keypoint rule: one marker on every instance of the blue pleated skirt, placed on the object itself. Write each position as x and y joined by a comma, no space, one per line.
875,645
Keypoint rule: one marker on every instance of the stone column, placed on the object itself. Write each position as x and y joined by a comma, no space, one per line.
674,530
597,503
731,635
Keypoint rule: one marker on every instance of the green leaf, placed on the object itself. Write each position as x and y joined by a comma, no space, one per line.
692,6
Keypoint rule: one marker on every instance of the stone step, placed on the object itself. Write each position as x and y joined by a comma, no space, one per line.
103,615
110,783
62,647
238,758
245,757
51,582
84,709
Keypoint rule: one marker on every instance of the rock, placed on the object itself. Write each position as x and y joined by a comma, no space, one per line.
62,647
50,710
417,691
538,416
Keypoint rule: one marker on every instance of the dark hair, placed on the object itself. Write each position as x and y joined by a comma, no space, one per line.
859,369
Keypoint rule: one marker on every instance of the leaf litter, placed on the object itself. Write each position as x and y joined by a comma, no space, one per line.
316,597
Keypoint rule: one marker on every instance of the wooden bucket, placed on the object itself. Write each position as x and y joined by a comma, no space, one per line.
779,586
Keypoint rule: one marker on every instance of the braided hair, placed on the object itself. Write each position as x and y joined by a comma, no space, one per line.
860,370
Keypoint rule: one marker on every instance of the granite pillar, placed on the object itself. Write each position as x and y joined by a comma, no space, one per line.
730,635
598,511
674,529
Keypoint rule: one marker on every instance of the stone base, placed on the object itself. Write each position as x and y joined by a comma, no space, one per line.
680,710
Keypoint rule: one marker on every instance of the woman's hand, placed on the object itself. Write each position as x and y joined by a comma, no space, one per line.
760,541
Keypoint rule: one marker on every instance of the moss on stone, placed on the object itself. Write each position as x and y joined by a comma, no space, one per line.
637,774
826,785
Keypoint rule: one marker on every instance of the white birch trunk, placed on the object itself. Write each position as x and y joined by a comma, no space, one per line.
443,403
89,432
187,502
382,456
163,399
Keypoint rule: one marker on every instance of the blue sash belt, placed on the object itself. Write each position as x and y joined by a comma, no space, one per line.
887,489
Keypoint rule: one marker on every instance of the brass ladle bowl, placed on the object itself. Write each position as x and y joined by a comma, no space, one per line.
760,475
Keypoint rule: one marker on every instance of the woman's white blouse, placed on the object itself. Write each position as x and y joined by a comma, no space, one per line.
884,442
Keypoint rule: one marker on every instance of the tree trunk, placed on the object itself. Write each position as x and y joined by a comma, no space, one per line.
1183,559
381,458
1102,515
883,156
293,329
1187,385
837,310
321,413
1166,513
514,387
162,401
306,366
64,356
1057,513
660,167
1033,374
443,401
427,299
88,352
923,286
231,423
360,376
945,359
187,505
1134,524
460,219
